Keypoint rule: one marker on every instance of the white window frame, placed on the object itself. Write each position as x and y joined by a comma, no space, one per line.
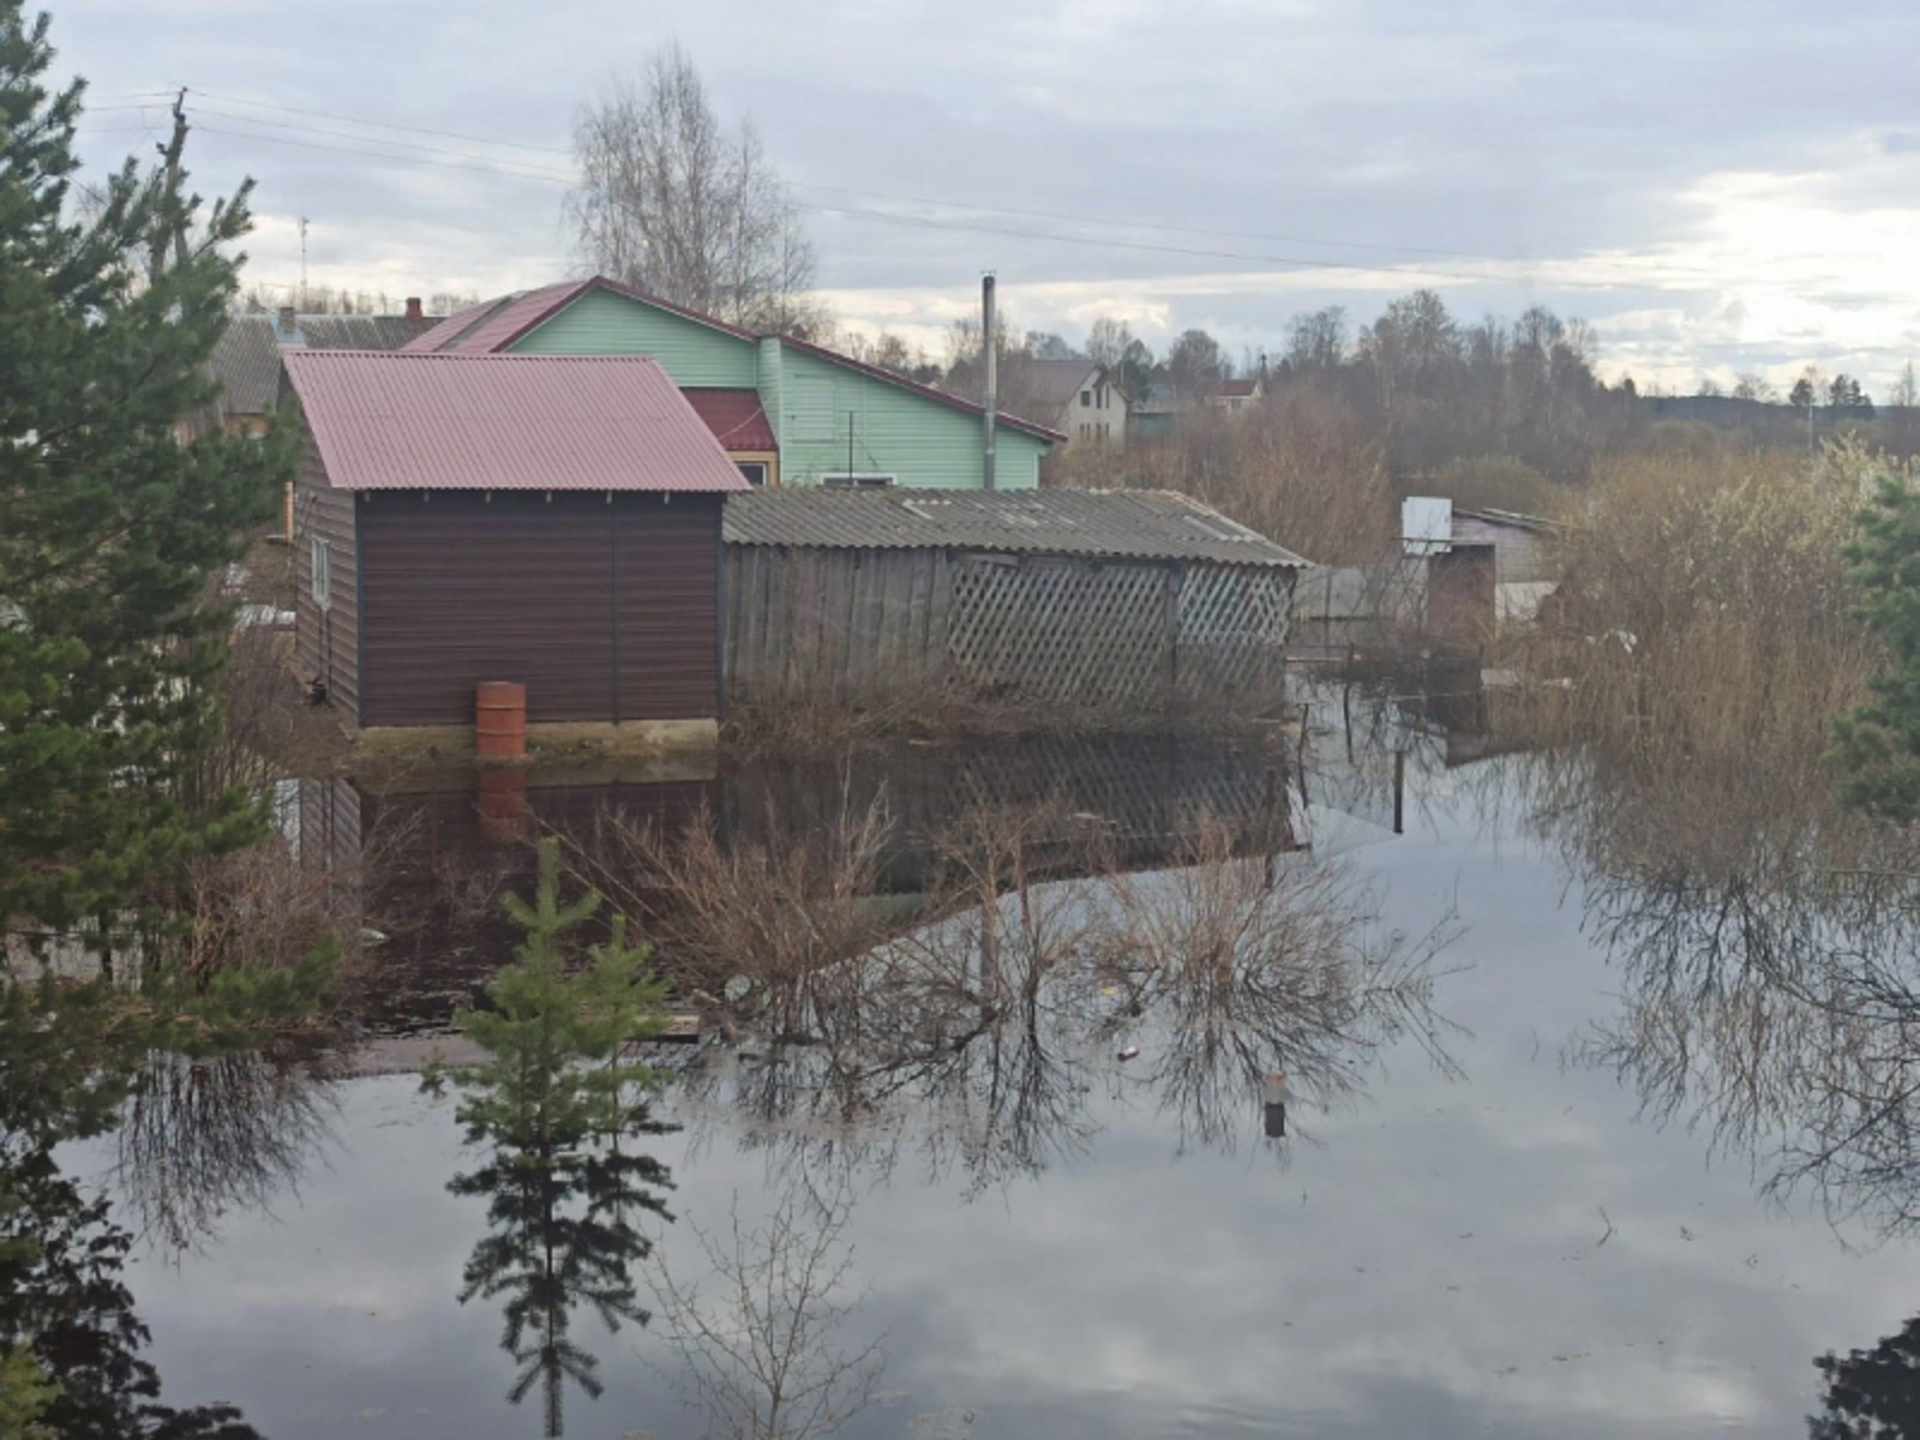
320,575
857,480
766,472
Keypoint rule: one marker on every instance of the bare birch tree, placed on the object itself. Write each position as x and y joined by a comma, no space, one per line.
672,200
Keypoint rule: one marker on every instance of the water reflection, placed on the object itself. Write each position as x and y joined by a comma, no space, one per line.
71,1362
203,1138
1871,1392
1767,945
760,1342
557,1109
978,1038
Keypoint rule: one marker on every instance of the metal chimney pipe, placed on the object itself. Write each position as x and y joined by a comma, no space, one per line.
990,360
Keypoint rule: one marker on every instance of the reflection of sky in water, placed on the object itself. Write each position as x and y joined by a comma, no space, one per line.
1425,1265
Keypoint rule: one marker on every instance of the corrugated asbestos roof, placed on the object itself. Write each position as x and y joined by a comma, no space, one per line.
736,418
246,357
246,362
504,422
1122,524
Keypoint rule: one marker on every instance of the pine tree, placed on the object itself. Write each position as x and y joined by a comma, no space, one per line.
1878,744
111,299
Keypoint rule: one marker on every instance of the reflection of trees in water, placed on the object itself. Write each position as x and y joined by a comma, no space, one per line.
201,1138
1768,943
975,1039
70,1342
1871,1393
62,1297
1254,970
556,1105
758,1337
560,1235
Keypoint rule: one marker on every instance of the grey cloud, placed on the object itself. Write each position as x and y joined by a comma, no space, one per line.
1494,128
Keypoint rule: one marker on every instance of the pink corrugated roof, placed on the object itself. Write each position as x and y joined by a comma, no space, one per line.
736,418
397,421
496,324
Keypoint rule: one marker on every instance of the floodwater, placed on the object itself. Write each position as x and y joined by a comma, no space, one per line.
1551,1194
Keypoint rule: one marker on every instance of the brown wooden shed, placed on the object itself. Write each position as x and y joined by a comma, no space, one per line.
551,520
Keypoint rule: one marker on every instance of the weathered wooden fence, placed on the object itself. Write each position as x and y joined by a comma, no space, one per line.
868,625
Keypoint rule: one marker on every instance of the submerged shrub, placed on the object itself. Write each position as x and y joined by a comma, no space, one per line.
1709,613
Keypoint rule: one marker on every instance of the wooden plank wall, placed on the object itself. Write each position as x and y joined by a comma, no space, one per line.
848,625
867,626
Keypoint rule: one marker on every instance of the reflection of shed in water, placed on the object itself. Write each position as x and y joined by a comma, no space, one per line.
1139,795
432,867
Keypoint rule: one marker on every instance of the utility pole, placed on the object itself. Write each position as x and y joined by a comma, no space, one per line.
170,217
990,359
303,264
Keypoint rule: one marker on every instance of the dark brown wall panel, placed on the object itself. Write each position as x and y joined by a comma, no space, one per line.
326,641
669,607
460,589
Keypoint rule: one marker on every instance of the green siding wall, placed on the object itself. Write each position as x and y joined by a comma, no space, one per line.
894,431
771,385
603,323
811,402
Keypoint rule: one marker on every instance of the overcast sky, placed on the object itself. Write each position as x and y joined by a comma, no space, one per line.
1717,187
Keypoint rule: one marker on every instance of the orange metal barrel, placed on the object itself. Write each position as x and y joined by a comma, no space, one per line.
500,720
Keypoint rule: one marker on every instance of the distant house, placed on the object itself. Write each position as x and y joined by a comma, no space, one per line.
549,520
1154,414
823,418
1077,397
1234,396
1461,575
246,358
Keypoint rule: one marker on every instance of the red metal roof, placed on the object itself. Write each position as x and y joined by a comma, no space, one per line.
497,324
1233,389
395,421
735,417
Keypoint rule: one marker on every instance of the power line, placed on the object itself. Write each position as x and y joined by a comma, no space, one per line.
486,168
349,135
407,152
381,124
1157,225
483,165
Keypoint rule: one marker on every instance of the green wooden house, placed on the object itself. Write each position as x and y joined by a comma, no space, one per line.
788,411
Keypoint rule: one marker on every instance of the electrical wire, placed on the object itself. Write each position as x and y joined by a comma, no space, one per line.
408,152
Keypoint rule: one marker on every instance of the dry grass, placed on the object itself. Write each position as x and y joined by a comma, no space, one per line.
1495,482
1300,468
1709,614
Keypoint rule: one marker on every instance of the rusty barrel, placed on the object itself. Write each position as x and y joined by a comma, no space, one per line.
500,720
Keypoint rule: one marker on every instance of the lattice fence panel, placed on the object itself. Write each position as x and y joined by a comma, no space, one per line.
1233,634
1065,630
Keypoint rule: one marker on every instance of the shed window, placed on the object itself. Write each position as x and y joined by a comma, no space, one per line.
755,471
857,482
322,573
